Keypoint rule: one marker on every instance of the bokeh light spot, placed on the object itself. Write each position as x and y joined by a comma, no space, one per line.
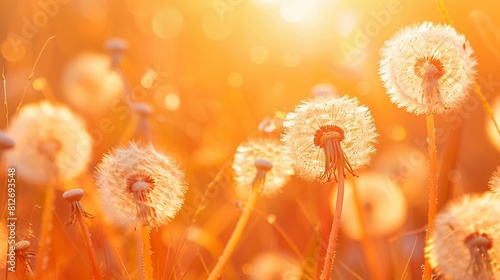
271,218
259,54
167,23
172,101
299,10
235,80
454,176
346,22
149,78
39,83
397,133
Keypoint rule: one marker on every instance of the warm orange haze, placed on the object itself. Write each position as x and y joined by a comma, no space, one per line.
249,139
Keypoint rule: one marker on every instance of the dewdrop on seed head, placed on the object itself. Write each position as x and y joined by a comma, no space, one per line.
325,128
50,140
139,185
427,68
466,244
264,153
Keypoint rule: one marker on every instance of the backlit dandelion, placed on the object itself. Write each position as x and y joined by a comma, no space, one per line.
327,137
427,68
494,182
322,130
139,185
244,168
49,138
466,244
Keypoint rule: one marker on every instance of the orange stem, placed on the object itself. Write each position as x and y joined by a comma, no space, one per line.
332,242
433,188
236,235
88,245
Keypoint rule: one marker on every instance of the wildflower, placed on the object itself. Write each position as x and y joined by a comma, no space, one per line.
494,181
245,170
322,130
138,184
427,68
49,138
466,244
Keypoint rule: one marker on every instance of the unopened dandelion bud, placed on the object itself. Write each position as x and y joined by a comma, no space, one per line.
73,195
263,164
6,142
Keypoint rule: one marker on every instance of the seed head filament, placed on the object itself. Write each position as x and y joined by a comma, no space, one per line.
481,263
328,137
140,185
430,70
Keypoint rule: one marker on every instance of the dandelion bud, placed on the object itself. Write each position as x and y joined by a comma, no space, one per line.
6,142
73,195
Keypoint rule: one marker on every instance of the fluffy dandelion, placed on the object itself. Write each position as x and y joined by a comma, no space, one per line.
322,130
428,68
494,182
244,169
466,244
89,84
49,138
327,137
271,265
139,185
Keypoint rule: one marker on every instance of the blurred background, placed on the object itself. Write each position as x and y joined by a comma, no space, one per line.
212,71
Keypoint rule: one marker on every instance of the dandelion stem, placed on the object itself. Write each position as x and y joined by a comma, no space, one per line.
433,187
146,252
88,244
372,259
45,229
445,14
236,235
332,242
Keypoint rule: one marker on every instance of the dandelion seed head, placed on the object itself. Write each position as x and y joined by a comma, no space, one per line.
22,245
48,137
324,118
263,153
427,68
466,244
494,181
139,185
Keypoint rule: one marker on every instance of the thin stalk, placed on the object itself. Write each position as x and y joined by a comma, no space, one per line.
88,245
236,235
45,229
372,258
332,242
433,187
146,252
